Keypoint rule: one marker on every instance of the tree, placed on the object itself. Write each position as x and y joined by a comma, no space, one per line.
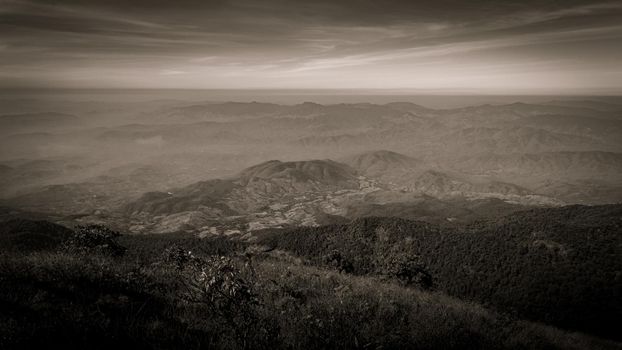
409,270
337,261
97,239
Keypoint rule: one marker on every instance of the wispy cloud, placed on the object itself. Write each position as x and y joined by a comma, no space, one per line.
278,43
172,72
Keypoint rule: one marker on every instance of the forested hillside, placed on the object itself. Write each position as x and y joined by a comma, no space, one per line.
561,266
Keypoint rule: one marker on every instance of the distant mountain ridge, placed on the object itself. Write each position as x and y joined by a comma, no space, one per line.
280,194
394,155
377,162
36,122
321,172
275,184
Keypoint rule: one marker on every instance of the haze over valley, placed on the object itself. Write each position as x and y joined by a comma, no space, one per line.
216,167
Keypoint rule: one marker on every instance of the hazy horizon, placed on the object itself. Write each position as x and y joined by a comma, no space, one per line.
287,96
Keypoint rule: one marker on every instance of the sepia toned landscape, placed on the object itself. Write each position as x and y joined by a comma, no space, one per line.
231,175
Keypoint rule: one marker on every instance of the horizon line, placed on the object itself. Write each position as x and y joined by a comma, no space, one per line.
342,91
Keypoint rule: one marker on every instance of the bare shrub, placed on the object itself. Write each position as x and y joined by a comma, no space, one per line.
226,286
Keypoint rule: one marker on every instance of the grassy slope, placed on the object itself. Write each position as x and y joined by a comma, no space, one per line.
75,301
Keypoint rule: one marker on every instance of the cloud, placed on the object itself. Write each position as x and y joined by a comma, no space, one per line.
288,43
172,72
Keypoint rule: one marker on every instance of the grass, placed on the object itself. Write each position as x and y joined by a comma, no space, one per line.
89,300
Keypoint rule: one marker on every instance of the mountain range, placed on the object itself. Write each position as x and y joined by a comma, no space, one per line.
211,166
307,193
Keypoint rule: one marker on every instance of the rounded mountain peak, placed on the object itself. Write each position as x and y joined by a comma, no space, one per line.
323,171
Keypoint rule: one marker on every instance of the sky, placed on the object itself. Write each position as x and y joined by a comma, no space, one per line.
476,46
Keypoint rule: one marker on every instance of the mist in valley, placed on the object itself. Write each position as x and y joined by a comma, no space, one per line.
96,155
